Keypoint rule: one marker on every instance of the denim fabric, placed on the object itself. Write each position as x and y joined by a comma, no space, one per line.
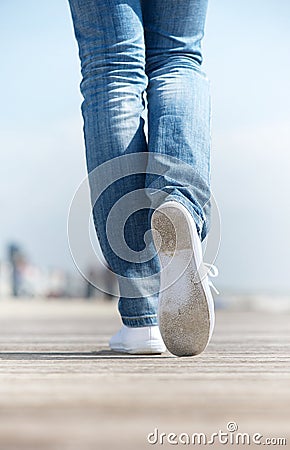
129,49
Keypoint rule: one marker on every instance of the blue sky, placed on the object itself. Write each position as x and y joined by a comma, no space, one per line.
246,51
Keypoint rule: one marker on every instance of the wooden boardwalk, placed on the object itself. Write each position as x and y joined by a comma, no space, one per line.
62,389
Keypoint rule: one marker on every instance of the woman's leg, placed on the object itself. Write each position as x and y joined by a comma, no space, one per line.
178,105
178,168
111,48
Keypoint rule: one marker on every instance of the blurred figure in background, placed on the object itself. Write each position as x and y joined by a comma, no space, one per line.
100,282
17,261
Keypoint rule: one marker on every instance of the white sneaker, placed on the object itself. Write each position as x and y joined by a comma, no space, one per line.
186,308
139,341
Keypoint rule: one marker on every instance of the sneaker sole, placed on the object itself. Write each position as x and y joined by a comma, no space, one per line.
185,310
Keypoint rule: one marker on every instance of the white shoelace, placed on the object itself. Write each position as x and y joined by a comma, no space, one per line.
212,272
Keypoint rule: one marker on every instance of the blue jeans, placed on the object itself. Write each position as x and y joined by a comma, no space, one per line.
129,49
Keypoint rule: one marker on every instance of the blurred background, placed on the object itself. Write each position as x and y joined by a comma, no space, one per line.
42,161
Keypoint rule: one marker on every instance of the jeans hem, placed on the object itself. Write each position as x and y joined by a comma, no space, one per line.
136,322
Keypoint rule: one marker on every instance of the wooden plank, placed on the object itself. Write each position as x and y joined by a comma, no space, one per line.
61,388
